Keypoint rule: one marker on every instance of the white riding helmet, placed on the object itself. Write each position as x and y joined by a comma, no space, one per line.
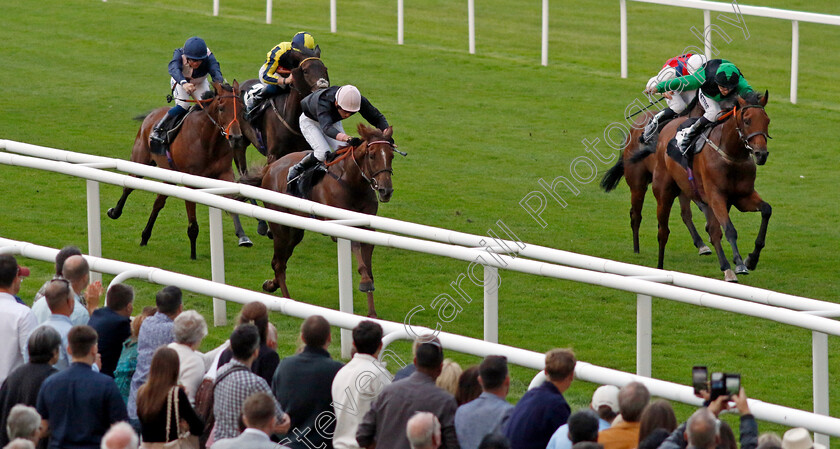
349,98
695,62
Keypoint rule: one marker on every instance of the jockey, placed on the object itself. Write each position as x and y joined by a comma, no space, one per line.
320,123
274,74
682,65
189,68
718,81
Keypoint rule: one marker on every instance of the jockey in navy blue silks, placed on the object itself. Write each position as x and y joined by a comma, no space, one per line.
188,68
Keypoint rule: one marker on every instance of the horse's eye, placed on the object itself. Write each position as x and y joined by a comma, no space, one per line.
747,122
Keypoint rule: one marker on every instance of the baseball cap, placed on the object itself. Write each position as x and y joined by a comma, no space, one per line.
606,395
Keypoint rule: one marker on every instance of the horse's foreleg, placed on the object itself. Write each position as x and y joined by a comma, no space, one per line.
752,204
685,213
116,211
160,201
285,240
715,236
637,200
192,227
364,256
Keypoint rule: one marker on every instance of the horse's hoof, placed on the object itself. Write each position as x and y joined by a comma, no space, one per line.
366,287
244,241
262,228
741,269
270,235
372,315
113,214
729,276
144,242
751,263
269,286
704,251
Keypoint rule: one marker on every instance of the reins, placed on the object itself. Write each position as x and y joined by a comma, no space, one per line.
744,139
344,152
224,130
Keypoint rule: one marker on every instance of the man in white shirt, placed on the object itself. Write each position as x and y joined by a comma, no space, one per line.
260,418
86,295
357,384
16,320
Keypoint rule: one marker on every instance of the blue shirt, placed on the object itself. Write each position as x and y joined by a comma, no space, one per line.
113,330
156,331
80,406
560,439
479,417
536,417
62,324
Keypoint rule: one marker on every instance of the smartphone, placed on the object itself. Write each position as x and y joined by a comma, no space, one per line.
733,384
717,387
699,378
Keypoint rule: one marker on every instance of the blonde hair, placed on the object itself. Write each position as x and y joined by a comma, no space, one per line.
449,374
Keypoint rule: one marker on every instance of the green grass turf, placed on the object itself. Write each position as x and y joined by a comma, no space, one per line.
480,130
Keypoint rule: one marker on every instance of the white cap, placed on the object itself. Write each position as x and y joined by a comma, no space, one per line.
606,395
695,62
799,438
349,98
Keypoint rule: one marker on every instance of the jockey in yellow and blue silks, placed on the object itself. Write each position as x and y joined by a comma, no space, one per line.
717,81
275,73
188,68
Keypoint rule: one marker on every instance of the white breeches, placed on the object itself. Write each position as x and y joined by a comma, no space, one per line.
711,107
201,86
321,143
679,100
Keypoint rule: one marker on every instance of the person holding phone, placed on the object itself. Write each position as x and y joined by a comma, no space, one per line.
748,426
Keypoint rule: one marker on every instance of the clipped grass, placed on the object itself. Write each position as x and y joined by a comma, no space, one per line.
481,130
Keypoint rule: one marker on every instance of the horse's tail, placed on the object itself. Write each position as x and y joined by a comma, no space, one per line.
254,177
613,175
644,151
141,117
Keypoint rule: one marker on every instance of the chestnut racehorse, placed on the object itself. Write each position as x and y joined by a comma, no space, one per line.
353,181
723,176
639,174
203,147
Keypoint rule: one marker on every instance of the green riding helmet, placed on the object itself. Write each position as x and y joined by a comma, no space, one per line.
728,76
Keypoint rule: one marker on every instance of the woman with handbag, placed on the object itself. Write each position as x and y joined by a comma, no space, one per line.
167,419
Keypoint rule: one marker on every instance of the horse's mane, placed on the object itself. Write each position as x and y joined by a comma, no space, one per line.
752,97
210,94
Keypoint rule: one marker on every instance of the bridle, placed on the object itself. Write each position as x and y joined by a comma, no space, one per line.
226,129
746,139
371,179
311,58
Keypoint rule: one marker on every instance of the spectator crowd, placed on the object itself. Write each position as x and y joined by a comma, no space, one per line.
77,375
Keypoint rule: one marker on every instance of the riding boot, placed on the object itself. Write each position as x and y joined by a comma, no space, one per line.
686,136
655,124
307,162
160,131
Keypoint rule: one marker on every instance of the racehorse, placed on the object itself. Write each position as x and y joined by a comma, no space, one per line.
279,125
353,181
723,176
639,175
203,147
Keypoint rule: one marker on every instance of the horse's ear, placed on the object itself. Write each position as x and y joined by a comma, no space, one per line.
217,86
235,85
363,130
389,131
741,101
765,98
317,51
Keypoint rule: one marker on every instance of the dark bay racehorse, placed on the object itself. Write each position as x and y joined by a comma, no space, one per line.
723,176
353,182
203,147
278,124
639,174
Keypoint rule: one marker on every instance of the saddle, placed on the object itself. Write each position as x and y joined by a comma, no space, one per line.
303,185
695,146
171,134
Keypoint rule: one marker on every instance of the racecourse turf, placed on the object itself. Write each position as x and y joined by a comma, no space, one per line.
480,130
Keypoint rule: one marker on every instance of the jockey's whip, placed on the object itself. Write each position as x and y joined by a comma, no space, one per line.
645,109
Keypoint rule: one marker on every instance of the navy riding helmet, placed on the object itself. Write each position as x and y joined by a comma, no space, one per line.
195,48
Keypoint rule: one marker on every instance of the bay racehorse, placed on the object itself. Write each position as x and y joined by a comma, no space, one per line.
278,125
203,147
723,175
353,181
639,174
